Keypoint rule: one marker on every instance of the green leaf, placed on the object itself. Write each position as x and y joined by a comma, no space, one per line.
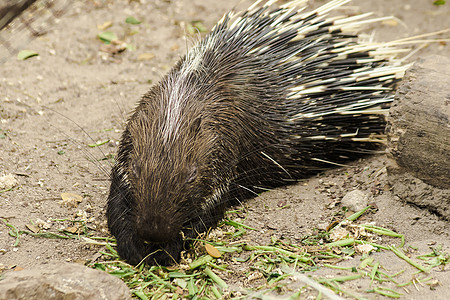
181,283
439,2
130,47
195,27
214,277
107,37
200,261
141,295
132,20
25,54
98,144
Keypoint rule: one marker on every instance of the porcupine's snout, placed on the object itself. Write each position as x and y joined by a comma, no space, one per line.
156,228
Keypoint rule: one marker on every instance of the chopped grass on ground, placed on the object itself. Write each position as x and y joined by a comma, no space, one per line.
211,268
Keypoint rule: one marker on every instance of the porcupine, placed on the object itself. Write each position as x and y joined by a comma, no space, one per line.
270,95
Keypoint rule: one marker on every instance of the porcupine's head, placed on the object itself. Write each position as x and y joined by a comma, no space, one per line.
164,185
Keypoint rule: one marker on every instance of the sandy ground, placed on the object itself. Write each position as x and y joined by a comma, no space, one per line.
53,105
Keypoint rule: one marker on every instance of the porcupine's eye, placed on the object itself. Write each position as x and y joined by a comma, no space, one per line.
195,127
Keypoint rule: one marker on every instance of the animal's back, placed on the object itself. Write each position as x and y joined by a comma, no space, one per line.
298,93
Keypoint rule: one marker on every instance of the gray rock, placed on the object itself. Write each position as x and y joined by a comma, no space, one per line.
62,281
355,200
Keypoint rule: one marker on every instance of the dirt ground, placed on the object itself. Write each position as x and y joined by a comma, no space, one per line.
75,93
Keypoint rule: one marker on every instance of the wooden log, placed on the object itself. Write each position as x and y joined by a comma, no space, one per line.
418,132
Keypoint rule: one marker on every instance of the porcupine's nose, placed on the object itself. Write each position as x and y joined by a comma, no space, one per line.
156,230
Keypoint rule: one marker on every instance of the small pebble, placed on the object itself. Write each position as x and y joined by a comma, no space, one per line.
355,200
